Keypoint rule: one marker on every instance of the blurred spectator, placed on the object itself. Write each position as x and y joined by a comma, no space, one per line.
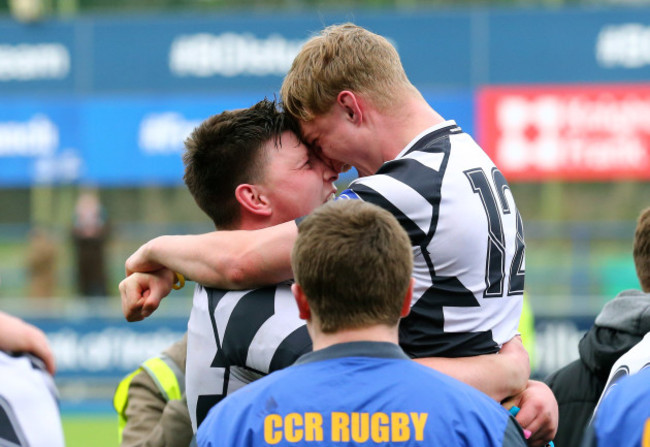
42,255
90,233
151,404
621,324
29,412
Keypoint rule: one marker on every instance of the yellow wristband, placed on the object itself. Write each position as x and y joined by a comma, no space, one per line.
179,282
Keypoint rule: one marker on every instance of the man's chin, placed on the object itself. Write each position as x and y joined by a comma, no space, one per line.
330,198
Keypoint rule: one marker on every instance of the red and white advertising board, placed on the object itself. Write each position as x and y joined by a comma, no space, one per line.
581,133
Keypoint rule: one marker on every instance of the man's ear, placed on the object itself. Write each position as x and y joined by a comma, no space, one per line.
301,301
253,199
406,306
351,104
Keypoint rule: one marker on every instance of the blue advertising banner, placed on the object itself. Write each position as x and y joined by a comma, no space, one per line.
110,100
214,53
125,140
566,46
103,348
38,59
39,142
136,140
463,48
107,347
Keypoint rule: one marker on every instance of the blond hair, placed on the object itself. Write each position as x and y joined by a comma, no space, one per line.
641,251
343,57
354,262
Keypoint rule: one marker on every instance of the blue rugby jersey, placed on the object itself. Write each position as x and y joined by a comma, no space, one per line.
359,394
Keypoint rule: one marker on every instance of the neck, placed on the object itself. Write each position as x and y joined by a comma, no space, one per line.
397,128
378,333
250,221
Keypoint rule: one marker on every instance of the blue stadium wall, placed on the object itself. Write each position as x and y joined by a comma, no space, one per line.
102,100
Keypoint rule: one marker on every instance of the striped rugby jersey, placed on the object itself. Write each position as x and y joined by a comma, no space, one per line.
236,337
468,243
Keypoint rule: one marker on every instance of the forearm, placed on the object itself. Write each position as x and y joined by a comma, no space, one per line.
224,259
498,375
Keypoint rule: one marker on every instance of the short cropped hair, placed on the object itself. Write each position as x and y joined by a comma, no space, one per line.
354,262
641,251
227,150
343,57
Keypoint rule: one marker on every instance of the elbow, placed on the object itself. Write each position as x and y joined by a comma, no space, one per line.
235,276
223,272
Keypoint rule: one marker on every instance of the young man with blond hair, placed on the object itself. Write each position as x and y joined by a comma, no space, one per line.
352,263
356,107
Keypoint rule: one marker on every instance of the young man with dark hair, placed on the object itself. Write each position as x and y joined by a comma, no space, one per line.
247,170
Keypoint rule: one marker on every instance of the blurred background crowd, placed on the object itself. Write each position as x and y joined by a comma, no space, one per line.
97,96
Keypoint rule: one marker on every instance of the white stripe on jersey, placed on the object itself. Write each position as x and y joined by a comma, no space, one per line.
274,330
431,161
403,197
267,316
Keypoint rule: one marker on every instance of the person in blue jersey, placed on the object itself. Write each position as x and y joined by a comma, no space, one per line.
356,106
623,416
352,263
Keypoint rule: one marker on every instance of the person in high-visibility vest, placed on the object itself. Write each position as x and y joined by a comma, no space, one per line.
150,401
527,330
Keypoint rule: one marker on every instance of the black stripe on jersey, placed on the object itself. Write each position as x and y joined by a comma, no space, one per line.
368,194
295,345
428,142
214,296
426,181
254,308
11,435
421,332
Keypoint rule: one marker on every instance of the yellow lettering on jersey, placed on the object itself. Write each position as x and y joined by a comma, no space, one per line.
291,433
419,421
340,427
360,427
313,427
273,429
399,423
379,428
646,434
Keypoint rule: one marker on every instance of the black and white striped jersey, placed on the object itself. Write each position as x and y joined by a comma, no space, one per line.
468,243
236,337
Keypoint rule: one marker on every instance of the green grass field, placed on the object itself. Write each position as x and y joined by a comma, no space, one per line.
90,430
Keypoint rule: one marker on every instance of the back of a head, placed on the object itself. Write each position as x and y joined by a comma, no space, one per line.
354,262
227,150
343,57
641,249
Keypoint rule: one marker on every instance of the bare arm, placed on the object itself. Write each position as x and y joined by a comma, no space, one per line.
225,259
498,375
19,336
